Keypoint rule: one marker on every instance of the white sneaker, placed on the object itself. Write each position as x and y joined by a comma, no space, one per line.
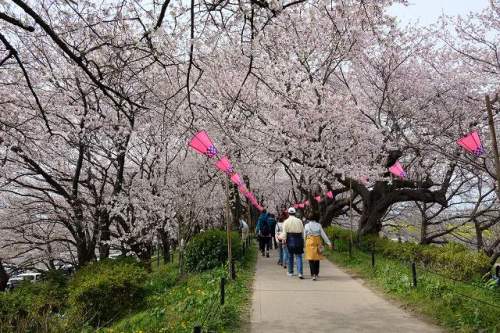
290,274
301,276
314,278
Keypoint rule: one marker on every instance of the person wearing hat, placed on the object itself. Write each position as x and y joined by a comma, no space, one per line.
293,236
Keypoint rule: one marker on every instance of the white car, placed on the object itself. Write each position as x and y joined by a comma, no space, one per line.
30,276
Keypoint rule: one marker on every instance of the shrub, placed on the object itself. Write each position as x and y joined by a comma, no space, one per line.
209,249
454,260
102,291
32,307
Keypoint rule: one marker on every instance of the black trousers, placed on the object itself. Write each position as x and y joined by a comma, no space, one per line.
264,243
314,267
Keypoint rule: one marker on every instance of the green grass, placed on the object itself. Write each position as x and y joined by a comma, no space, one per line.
446,301
177,304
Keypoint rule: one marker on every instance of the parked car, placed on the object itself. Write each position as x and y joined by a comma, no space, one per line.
29,276
11,269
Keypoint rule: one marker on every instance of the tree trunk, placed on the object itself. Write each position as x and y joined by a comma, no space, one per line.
235,206
479,236
423,232
370,221
144,253
165,243
104,235
332,208
494,257
84,253
4,277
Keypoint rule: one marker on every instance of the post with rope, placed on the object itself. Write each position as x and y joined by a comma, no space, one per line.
350,217
228,229
414,274
246,179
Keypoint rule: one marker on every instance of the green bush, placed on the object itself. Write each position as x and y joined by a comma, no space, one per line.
106,290
454,260
209,249
32,307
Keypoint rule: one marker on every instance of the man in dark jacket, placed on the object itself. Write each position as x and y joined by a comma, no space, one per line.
263,232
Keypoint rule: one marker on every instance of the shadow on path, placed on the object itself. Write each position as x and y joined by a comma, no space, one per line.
334,303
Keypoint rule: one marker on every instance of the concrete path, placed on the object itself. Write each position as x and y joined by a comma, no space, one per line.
334,303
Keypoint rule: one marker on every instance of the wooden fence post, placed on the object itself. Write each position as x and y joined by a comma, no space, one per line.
222,290
414,273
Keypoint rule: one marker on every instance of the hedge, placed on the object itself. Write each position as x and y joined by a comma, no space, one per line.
31,307
208,250
453,260
106,290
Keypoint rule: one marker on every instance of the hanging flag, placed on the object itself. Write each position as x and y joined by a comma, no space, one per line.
318,198
203,144
472,143
301,205
295,206
397,170
236,179
224,165
329,194
243,189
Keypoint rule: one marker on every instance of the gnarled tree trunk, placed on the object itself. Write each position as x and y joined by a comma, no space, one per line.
4,277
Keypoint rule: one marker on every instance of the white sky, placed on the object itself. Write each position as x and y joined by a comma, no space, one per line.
426,12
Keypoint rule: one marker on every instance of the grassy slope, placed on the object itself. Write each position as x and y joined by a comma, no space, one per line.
436,297
177,304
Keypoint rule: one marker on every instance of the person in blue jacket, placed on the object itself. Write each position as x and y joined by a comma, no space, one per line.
263,232
272,224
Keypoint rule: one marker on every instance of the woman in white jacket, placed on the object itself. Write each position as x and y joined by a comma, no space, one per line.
313,233
283,251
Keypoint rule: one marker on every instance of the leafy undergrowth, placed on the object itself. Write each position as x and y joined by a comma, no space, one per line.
458,306
178,304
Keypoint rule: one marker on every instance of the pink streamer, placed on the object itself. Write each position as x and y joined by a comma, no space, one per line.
203,144
236,179
243,189
224,165
472,143
397,170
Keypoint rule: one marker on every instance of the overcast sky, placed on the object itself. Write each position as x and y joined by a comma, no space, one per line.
427,11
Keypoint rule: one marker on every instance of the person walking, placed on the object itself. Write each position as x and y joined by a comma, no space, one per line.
293,236
272,224
263,232
283,251
244,230
313,233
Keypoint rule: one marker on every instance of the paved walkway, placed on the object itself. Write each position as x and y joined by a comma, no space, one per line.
334,303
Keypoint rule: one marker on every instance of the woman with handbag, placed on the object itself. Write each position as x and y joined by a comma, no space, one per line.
313,233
